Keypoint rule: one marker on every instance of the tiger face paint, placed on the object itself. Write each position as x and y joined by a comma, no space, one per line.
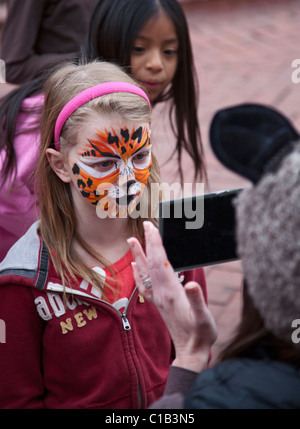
111,169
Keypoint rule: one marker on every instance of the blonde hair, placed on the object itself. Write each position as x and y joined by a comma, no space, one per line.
58,226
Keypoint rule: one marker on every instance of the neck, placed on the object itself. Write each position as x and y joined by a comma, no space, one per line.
104,230
108,236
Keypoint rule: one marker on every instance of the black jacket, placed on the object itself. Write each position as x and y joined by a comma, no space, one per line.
246,383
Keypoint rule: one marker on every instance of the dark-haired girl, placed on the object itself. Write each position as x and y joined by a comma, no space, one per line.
151,39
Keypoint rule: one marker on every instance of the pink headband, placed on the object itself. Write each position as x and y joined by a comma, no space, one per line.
89,94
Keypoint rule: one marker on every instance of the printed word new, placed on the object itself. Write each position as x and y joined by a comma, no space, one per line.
54,305
79,320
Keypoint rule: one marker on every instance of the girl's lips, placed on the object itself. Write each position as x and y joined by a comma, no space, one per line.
150,84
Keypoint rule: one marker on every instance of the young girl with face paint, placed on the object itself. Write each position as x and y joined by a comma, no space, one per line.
79,335
150,39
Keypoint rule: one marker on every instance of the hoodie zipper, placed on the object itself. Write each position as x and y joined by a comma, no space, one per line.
127,327
126,324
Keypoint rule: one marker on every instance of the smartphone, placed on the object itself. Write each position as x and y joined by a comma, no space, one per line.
199,231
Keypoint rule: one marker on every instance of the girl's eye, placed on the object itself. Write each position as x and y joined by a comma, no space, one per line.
104,165
171,51
138,49
141,157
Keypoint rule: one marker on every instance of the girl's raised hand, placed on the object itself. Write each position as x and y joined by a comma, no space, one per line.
183,308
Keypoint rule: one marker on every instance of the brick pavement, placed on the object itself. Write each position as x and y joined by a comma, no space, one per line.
243,53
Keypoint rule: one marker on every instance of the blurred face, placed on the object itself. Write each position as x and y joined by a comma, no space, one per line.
111,163
154,56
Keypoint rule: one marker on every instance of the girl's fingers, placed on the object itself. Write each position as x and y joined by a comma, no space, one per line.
139,267
147,293
155,266
201,312
154,247
159,268
156,254
139,257
195,296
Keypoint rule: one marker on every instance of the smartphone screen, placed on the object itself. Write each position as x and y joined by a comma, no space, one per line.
199,231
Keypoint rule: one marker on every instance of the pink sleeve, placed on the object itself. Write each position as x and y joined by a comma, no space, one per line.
18,204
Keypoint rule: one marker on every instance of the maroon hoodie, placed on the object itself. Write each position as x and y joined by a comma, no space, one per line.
82,354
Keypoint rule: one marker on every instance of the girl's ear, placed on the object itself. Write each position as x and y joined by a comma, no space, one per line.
59,165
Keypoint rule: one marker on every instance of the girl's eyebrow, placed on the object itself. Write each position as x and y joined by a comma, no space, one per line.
173,40
102,153
142,147
108,154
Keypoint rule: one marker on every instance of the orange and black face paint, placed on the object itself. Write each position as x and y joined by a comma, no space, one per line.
127,153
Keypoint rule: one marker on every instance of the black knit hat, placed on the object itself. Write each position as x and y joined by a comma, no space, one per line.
260,144
250,139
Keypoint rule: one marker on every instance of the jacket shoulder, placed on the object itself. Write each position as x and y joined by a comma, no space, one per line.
27,262
246,383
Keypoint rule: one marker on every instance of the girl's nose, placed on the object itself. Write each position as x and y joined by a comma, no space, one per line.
154,61
126,180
